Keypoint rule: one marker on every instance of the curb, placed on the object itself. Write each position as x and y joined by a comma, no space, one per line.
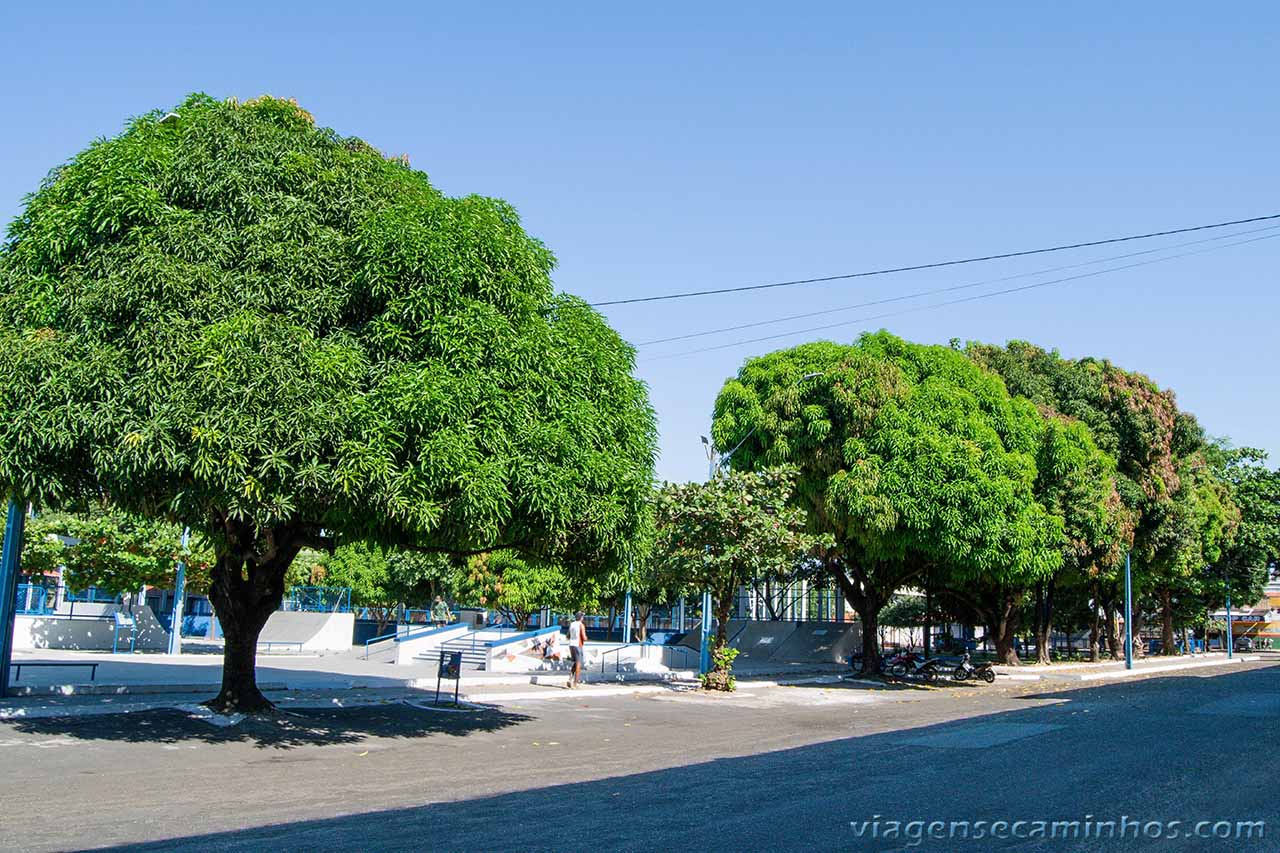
125,689
1155,670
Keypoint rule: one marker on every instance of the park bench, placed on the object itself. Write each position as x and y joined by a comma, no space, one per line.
17,667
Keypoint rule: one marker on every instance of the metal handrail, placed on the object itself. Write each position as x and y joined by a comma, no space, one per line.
434,629
684,650
372,640
524,635
618,651
270,643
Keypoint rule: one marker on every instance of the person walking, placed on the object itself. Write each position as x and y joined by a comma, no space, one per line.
440,613
577,648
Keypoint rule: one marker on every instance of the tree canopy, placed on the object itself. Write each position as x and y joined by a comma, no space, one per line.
720,534
112,550
517,587
909,456
240,321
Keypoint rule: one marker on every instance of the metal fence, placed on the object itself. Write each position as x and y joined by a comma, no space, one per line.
92,595
33,599
318,599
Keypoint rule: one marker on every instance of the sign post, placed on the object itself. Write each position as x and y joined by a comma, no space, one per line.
450,667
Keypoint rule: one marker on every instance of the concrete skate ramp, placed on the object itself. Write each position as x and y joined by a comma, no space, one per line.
759,641
308,632
818,642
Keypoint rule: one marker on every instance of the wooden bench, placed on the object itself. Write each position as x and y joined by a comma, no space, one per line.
17,667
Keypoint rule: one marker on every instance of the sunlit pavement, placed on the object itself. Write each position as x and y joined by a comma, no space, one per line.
768,768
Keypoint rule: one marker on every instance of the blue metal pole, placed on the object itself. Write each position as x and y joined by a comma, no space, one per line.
704,659
626,606
10,562
179,598
1230,641
1128,615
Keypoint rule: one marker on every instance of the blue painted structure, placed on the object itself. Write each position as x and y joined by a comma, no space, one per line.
10,562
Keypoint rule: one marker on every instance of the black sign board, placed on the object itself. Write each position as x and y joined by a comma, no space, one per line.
450,667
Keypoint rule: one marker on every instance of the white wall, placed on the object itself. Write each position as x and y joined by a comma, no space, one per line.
406,650
93,634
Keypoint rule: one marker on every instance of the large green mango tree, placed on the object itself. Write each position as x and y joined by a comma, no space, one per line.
233,319
912,459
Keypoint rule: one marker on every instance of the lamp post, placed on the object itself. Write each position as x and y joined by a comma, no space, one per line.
714,462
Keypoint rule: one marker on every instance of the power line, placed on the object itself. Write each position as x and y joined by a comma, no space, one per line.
951,289
935,264
959,301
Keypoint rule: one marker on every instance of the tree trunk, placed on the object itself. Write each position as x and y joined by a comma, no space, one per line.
867,603
1116,653
721,609
1005,630
928,619
640,620
870,617
1095,653
242,622
247,587
1166,622
1044,622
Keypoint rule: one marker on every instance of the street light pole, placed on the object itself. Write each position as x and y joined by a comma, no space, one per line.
1128,615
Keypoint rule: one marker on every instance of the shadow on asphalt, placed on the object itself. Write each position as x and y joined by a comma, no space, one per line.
1045,763
286,730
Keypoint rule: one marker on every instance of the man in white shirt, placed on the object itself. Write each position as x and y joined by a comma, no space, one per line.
577,644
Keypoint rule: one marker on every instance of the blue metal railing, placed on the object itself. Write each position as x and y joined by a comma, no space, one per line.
684,650
92,595
423,632
394,635
523,635
318,599
617,650
32,599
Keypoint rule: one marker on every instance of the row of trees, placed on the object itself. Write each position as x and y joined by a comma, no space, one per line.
1007,481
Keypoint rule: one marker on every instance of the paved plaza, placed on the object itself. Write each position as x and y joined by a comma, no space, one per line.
816,764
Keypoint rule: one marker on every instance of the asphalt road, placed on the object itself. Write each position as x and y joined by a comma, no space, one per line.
775,768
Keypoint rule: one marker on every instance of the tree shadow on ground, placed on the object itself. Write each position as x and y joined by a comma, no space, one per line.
282,730
1026,765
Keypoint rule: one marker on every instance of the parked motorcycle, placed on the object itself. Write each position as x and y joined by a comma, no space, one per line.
913,665
966,670
886,664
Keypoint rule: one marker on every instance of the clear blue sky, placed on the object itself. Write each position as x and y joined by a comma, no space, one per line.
673,147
